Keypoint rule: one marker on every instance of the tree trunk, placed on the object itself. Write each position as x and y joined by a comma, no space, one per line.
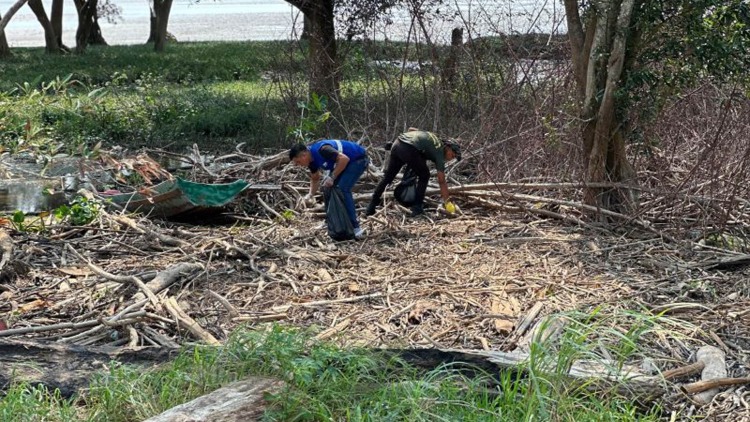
4,47
86,10
56,16
305,28
240,401
324,77
598,61
162,8
152,25
95,35
50,39
9,14
450,68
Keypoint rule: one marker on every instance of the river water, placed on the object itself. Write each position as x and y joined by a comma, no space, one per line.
238,20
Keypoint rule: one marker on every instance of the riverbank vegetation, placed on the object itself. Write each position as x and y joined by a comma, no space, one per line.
219,94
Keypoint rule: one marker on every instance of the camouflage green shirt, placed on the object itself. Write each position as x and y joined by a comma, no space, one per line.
428,144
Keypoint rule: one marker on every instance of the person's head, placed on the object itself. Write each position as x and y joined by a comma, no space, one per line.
300,155
452,150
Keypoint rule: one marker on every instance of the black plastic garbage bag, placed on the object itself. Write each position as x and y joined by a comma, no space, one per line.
405,191
337,219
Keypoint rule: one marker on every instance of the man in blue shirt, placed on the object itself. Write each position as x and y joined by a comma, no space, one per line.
345,163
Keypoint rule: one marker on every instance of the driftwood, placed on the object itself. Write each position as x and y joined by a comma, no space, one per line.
684,371
67,367
712,384
241,401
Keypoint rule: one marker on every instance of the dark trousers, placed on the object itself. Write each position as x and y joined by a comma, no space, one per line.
403,154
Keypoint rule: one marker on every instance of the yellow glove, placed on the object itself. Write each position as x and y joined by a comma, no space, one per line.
450,208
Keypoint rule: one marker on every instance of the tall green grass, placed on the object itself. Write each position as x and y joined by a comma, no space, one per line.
325,382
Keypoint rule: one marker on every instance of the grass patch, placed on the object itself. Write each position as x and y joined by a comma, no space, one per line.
214,94
185,63
324,382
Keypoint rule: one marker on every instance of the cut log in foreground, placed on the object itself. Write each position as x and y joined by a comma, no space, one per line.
241,401
66,367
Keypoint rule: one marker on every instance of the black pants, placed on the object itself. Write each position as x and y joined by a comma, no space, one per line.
403,154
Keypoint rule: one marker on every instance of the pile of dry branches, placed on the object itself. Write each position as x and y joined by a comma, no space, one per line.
480,280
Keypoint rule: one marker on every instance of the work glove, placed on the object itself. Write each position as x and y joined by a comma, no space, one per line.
327,182
306,201
450,207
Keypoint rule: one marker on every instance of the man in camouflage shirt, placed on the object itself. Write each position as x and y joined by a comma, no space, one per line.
413,149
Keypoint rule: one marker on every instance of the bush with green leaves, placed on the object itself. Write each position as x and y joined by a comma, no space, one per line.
80,212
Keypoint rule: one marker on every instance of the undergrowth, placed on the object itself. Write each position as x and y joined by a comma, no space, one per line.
325,382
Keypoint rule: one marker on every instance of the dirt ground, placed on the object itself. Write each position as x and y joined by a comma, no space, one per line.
465,282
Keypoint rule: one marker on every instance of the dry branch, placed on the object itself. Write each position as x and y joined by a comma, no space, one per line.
146,291
189,323
684,371
169,276
712,384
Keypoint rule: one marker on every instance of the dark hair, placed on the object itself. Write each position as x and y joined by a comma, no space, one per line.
455,147
296,150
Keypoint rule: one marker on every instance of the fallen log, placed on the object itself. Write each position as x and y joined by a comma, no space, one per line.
241,401
67,367
594,376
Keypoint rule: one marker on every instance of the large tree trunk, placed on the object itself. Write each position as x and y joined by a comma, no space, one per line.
56,17
86,11
162,9
50,39
305,28
450,67
324,77
598,53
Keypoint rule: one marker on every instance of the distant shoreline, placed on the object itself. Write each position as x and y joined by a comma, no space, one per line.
228,20
225,20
